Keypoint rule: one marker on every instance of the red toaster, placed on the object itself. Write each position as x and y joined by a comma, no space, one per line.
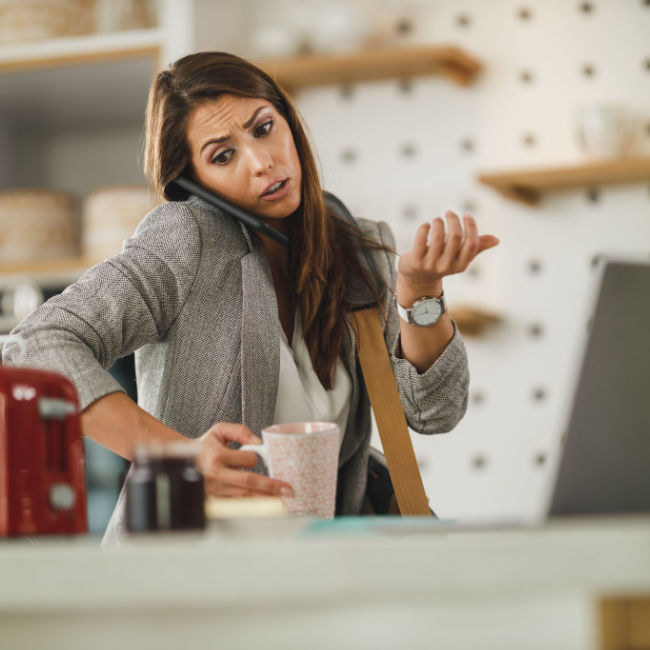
42,472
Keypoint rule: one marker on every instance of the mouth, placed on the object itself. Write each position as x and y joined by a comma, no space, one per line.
275,189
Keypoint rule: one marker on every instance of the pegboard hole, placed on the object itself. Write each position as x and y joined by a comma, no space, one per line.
406,86
647,65
593,195
463,20
404,27
348,155
410,212
536,330
595,260
469,205
474,271
587,8
535,266
467,145
529,139
526,76
539,394
479,462
478,397
524,13
408,150
347,92
539,459
588,70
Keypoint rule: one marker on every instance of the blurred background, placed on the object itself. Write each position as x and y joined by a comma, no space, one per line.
532,115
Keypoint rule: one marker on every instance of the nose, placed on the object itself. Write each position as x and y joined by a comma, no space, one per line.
261,161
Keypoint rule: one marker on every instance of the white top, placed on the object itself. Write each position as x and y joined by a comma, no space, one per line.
301,396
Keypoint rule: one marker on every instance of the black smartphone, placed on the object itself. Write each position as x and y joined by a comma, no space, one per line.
230,208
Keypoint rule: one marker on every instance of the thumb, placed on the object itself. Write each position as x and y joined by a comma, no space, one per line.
485,242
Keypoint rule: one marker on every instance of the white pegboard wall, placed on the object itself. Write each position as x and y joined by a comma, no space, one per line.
406,152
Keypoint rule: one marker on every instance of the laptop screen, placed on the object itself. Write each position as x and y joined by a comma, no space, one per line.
605,463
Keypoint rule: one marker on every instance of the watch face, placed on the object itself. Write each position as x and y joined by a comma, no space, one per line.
427,312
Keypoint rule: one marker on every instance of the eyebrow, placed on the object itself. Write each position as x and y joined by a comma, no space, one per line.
246,125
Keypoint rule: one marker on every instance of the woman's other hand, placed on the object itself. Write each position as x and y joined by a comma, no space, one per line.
434,255
221,466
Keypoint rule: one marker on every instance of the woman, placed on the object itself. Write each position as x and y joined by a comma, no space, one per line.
232,328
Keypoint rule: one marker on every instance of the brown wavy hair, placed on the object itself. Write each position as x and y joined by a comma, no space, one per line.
323,254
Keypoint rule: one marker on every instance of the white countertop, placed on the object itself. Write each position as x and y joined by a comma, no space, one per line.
295,576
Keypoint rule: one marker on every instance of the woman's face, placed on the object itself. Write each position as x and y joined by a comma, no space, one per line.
243,149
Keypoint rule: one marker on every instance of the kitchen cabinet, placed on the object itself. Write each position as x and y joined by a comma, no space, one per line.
527,186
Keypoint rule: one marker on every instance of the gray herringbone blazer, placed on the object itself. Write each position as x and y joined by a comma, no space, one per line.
192,294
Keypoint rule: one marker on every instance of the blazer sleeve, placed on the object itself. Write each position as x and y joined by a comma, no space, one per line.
436,400
116,307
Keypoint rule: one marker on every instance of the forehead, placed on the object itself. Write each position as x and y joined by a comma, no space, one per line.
218,117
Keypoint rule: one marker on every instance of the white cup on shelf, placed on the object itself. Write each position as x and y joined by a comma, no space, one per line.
604,131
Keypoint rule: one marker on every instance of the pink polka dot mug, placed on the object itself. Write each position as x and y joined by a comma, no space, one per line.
305,455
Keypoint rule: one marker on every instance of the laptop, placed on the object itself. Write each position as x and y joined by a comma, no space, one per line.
604,464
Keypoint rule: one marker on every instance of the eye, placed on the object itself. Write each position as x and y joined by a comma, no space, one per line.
223,157
264,129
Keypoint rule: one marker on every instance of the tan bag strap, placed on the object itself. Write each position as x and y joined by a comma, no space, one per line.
391,422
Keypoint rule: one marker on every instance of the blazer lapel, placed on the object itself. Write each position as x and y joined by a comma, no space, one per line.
260,341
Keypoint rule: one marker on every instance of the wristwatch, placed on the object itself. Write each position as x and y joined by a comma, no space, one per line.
425,311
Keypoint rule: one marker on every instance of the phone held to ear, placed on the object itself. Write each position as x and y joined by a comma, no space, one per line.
229,208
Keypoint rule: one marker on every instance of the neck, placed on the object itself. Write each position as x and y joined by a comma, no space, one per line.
277,253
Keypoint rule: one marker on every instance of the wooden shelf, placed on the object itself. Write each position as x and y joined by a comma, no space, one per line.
526,186
48,273
79,50
473,321
372,65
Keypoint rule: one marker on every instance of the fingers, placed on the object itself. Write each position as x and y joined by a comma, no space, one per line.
420,243
222,466
470,247
230,432
215,454
452,244
218,490
453,252
437,243
254,484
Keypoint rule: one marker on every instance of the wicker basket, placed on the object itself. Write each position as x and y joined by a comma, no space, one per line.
38,224
31,20
110,215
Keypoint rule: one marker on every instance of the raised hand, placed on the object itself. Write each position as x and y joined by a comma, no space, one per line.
435,255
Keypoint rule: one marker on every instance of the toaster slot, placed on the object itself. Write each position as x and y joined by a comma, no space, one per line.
55,455
54,412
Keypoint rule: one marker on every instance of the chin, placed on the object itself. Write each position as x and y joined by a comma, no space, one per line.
280,211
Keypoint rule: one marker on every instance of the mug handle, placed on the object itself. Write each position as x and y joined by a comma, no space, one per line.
260,450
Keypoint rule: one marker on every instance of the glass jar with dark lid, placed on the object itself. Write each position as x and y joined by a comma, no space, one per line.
165,491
